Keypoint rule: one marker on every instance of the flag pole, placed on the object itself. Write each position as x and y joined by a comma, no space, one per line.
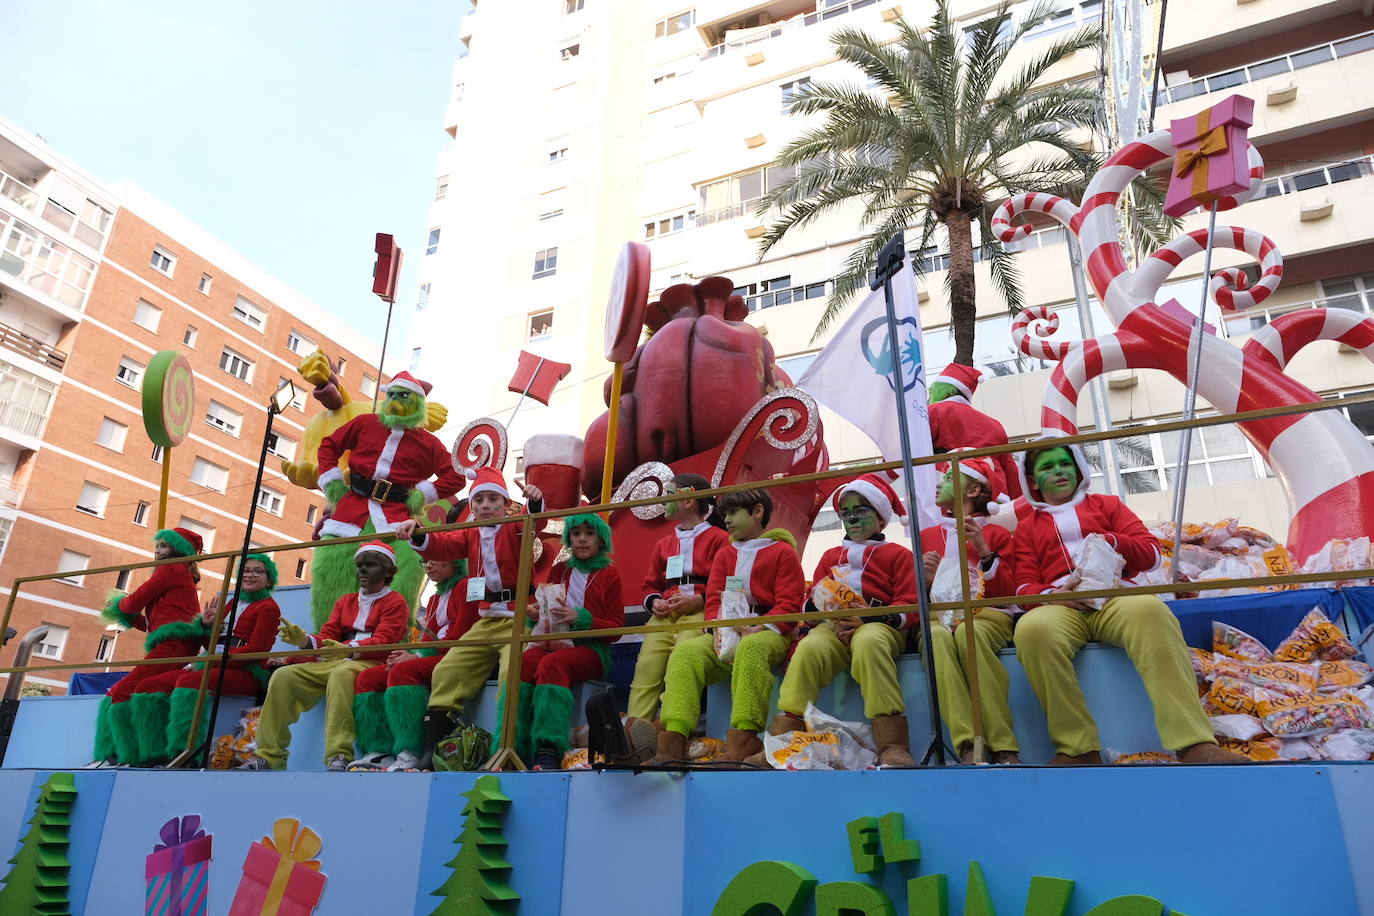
890,261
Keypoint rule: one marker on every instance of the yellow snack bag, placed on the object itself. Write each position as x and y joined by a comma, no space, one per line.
1316,637
1259,749
1341,674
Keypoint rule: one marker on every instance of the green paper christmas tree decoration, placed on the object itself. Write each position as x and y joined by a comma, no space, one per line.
38,882
480,883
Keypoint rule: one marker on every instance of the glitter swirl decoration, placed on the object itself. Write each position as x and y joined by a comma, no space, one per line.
480,444
787,419
169,398
645,482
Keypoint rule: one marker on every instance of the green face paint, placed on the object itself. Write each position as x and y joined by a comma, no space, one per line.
1055,474
939,391
859,518
944,494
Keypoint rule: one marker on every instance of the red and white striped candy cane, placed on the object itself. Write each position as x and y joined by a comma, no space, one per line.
1229,287
1279,341
1032,328
1062,210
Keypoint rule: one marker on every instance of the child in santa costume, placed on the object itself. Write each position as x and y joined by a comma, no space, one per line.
881,573
390,699
674,589
493,555
761,570
373,616
955,423
548,670
1055,481
988,552
165,607
391,458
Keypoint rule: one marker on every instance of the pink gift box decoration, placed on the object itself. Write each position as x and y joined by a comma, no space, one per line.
281,876
1213,159
176,873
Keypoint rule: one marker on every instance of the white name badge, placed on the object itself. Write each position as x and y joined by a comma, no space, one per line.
675,566
477,588
734,583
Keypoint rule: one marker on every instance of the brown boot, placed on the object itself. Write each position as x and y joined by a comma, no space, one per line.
1005,758
782,723
894,741
966,754
740,745
1207,752
1090,759
642,738
672,748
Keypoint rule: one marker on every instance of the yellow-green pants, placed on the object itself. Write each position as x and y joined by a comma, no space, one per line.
652,664
871,657
694,664
991,632
1048,637
295,688
464,669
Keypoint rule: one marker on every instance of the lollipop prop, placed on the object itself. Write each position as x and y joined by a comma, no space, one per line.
169,395
624,318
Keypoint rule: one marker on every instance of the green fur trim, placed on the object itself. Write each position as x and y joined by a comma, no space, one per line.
553,711
404,706
123,733
584,619
176,542
258,595
104,734
523,716
192,630
369,712
271,568
460,572
780,534
181,710
423,653
150,712
113,614
603,533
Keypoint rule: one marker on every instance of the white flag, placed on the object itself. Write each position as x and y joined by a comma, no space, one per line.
853,377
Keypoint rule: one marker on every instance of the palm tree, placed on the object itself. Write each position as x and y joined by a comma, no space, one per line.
954,132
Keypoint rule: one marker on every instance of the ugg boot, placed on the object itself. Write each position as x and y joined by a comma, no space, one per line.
740,745
1006,758
1090,759
642,739
782,723
894,741
1207,752
672,748
438,723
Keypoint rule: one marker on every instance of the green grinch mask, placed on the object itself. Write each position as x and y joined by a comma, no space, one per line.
939,391
1054,472
402,409
860,519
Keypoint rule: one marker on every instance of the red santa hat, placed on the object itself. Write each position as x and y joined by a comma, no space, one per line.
410,383
487,480
984,470
376,547
964,378
878,493
184,541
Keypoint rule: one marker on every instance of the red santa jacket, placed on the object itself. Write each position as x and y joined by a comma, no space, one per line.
169,596
771,578
596,595
954,423
405,457
998,579
884,570
447,616
697,547
255,629
366,620
492,552
1046,538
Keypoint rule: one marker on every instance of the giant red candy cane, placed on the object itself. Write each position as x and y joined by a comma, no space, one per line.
1324,462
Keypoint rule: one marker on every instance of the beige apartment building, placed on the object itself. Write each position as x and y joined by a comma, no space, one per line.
94,280
578,124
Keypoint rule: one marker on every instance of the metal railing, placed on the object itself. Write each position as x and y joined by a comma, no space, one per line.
529,523
32,347
765,33
1286,63
44,263
23,420
1331,174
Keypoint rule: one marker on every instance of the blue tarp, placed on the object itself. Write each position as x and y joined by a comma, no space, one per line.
98,682
1269,616
1360,601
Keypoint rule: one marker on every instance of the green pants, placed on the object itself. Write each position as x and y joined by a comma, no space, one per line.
871,656
991,632
295,688
694,664
1048,637
464,669
652,664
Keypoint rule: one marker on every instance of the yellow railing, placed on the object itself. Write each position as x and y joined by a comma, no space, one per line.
505,740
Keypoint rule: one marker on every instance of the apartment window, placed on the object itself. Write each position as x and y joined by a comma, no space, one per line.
558,155
251,314
1003,30
236,364
415,356
667,225
157,453
209,475
206,532
571,6
163,261
568,52
71,562
188,338
674,24
224,419
790,90
297,399
298,343
540,326
1362,415
300,569
552,214
129,372
281,446
93,499
94,224
669,75
141,513
433,244
147,315
441,188
368,386
204,286
53,643
1070,15
730,197
422,298
340,366
111,434
270,500
105,651
545,262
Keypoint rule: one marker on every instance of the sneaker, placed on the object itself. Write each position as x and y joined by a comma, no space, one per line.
337,764
372,763
101,764
254,763
405,762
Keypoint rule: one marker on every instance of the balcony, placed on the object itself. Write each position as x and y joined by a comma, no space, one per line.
18,191
32,347
43,263
10,494
25,404
1287,63
764,33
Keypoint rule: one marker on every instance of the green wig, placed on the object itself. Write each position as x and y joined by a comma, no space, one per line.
603,532
271,568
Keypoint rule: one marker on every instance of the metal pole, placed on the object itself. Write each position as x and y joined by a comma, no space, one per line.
890,261
612,430
386,334
1111,472
1185,447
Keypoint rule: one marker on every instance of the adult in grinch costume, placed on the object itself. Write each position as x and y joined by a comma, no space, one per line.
391,458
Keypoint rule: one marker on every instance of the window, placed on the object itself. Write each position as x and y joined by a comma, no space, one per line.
341,366
147,315
552,214
141,513
1362,415
312,512
790,90
571,6
545,263
568,52
157,453
540,326
441,187
283,447
674,24
270,500
204,285
224,419
422,298
368,386
95,222
111,434
92,499
300,569
206,532
163,261
236,364
188,339
433,244
105,651
415,356
129,372
53,643
558,155
730,197
71,561
1071,15
667,225
255,316
208,475
298,343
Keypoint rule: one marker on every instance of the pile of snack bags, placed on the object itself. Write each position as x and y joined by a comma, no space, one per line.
826,744
1309,699
231,751
1222,550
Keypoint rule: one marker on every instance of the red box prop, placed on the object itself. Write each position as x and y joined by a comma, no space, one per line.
176,873
1213,158
281,876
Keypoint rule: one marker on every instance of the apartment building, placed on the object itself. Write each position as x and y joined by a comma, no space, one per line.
94,280
659,121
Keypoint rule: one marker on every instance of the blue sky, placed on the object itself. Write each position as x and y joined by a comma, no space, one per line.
293,130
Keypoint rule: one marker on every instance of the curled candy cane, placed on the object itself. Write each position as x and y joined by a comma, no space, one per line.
1279,341
1031,329
1062,210
1229,287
